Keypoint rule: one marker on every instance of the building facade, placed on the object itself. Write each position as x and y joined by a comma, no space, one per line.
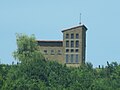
69,51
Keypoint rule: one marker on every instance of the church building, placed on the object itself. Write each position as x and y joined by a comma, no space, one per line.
70,51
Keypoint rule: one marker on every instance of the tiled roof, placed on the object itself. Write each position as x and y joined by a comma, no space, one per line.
50,43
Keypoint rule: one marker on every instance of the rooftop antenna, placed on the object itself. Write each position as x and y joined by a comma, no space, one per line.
80,19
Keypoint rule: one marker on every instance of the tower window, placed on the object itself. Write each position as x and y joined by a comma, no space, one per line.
67,50
72,50
67,36
67,43
67,58
72,58
76,58
72,36
76,50
77,36
77,43
72,43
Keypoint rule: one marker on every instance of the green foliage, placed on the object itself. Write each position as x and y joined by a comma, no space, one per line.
46,75
27,48
3,73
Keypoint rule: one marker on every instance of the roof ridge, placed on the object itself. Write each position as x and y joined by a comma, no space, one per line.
49,40
75,27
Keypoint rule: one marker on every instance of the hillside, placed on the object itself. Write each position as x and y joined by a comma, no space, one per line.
42,75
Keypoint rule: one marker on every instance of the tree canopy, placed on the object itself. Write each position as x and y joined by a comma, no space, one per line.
27,48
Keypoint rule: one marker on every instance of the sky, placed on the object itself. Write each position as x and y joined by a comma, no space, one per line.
47,18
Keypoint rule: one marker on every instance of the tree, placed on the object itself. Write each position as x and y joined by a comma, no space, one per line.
27,48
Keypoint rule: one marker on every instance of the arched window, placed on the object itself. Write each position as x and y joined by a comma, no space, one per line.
67,50
67,43
76,58
45,52
77,36
77,50
59,52
77,43
67,36
52,52
72,43
72,36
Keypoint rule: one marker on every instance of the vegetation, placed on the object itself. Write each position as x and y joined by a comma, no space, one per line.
27,48
33,72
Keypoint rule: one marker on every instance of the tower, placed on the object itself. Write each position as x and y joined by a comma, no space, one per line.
74,45
69,51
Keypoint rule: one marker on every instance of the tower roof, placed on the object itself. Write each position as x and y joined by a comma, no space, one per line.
83,26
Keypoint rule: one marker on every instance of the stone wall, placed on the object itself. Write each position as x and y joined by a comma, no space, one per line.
53,53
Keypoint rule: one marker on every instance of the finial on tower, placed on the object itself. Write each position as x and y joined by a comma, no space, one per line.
80,19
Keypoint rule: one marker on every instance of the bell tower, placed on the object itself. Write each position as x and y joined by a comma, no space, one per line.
74,45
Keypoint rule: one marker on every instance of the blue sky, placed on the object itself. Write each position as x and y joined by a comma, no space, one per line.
47,18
